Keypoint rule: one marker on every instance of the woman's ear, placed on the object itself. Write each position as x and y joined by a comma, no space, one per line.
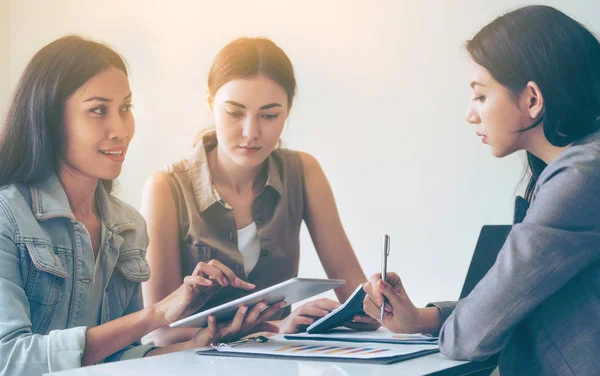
533,100
209,99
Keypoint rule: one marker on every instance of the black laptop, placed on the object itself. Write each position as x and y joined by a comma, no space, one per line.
490,242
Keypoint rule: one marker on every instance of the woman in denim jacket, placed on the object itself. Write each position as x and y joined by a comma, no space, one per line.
72,256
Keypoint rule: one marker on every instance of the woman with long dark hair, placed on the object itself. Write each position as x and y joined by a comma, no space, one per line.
535,75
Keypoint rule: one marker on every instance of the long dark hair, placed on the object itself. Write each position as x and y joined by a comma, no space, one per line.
32,136
544,45
247,57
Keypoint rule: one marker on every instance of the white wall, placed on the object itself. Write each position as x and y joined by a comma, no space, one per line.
4,53
381,103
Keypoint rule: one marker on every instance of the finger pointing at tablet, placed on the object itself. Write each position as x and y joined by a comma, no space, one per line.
217,271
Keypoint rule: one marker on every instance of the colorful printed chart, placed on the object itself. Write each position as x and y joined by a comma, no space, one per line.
380,335
325,349
330,350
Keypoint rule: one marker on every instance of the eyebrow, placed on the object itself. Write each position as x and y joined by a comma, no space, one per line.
102,99
473,83
265,107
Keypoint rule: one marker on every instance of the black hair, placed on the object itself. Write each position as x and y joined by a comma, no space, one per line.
543,45
32,136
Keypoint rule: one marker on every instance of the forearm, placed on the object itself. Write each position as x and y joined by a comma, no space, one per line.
345,267
353,275
171,348
167,336
104,340
430,320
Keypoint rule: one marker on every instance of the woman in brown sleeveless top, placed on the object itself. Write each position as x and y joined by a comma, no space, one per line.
236,205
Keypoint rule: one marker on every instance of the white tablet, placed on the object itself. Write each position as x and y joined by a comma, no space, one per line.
292,291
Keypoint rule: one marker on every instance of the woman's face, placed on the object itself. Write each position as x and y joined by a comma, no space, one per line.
249,118
496,114
98,126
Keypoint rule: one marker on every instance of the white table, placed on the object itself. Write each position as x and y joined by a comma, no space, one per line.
188,363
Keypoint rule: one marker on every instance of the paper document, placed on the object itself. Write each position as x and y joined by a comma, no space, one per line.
380,335
286,348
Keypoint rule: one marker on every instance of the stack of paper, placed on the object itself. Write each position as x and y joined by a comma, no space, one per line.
380,335
277,347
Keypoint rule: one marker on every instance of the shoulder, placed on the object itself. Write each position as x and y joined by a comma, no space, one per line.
183,174
178,167
579,164
306,162
312,173
14,194
311,167
160,197
158,182
567,193
17,219
15,205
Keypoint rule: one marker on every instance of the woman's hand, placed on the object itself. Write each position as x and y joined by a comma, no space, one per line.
401,315
244,322
303,316
364,323
205,280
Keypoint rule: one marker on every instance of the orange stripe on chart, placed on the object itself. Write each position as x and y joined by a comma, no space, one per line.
360,350
339,350
323,349
377,351
289,347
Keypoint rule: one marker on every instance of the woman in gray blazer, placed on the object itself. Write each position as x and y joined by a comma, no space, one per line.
535,75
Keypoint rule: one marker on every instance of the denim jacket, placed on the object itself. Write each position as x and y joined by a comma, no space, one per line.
46,273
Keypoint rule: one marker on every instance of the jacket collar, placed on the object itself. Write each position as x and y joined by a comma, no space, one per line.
201,176
49,200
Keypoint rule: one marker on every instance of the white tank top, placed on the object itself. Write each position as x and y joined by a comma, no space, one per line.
249,246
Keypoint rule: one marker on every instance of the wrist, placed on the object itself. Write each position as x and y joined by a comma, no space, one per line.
282,324
155,315
187,345
429,321
277,322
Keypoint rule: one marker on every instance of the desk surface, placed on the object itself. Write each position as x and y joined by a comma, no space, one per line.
188,363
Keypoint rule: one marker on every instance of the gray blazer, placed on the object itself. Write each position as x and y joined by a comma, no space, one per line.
539,304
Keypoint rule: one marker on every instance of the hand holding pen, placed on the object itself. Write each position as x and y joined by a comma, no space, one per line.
387,301
399,314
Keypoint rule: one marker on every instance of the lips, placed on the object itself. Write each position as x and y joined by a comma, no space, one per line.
116,154
483,137
112,152
250,149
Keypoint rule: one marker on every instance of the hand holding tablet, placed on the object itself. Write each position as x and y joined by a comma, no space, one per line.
290,291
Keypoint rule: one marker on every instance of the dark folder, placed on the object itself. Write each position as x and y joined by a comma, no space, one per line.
351,307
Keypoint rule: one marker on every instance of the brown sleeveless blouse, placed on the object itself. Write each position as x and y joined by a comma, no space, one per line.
207,228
